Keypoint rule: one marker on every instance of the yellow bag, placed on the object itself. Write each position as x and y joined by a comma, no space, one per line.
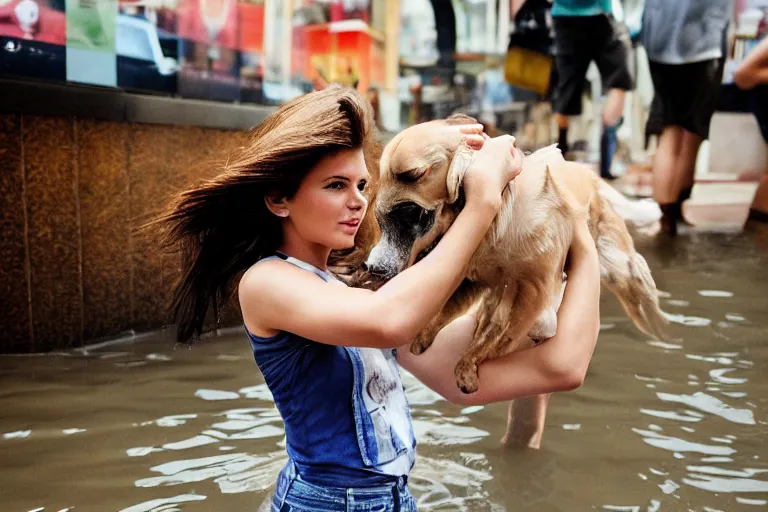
528,69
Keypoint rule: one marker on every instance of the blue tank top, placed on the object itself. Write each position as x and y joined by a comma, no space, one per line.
347,421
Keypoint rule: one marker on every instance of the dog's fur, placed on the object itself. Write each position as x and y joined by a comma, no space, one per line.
516,277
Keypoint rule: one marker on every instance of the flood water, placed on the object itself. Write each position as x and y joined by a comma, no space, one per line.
673,426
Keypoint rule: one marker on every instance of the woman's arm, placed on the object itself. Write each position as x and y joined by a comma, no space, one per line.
558,364
753,70
279,297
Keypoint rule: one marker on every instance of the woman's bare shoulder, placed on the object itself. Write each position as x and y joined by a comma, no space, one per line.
264,275
262,281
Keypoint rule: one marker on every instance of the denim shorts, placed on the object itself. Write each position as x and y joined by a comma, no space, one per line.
296,495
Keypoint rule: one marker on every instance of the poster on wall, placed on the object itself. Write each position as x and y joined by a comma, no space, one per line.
194,48
91,41
351,10
251,46
208,32
344,51
147,46
278,85
33,37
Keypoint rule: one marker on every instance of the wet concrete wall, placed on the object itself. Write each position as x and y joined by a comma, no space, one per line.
71,192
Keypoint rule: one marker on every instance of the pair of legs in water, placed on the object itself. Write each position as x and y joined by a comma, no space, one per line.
675,161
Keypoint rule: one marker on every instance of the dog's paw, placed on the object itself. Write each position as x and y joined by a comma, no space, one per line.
466,377
422,342
418,348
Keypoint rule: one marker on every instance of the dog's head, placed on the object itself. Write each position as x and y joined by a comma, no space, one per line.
419,195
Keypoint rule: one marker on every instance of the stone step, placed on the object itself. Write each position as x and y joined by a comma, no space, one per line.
718,200
719,203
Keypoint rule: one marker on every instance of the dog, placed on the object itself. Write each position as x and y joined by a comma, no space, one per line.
516,277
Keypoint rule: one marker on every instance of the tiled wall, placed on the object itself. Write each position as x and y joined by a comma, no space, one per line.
71,191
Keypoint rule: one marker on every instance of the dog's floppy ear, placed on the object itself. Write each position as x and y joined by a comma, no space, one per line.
462,157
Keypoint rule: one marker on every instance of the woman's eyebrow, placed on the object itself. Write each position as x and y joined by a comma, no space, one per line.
343,178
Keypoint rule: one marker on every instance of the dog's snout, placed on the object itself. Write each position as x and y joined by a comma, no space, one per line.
382,262
377,269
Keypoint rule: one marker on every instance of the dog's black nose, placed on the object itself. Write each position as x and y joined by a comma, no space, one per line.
378,270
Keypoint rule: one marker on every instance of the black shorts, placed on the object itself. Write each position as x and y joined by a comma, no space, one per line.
758,103
580,40
687,93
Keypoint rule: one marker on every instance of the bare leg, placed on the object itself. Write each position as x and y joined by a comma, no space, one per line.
612,112
613,107
525,421
667,177
665,184
688,154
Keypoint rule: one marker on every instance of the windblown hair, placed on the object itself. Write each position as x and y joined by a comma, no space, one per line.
222,227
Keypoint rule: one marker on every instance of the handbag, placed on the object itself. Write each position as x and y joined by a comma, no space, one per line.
529,62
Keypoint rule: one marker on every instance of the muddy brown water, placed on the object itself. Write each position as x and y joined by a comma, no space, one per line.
673,426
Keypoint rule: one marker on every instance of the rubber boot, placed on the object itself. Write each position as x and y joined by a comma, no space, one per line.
607,149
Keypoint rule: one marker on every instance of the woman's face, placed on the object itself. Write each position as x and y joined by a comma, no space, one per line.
329,205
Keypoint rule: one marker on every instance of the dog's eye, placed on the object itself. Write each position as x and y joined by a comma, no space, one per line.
413,175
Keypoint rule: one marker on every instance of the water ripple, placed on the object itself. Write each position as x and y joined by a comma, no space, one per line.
675,444
215,394
712,405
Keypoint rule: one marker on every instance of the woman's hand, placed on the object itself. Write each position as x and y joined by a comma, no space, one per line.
493,166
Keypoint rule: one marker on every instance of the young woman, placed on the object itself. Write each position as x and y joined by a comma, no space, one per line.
272,219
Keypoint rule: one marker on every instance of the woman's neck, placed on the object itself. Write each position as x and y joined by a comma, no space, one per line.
314,254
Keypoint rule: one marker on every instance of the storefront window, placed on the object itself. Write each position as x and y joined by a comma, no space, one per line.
264,51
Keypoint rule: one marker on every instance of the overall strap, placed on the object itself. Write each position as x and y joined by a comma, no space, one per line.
325,276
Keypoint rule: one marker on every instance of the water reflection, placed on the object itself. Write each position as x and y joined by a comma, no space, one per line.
665,425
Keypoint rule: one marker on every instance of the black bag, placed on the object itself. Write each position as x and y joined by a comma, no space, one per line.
533,27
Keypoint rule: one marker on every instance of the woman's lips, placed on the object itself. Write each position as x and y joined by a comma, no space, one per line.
350,226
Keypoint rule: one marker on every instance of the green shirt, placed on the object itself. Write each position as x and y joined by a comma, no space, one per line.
581,7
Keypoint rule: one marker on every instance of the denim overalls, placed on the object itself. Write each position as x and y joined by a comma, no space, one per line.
348,428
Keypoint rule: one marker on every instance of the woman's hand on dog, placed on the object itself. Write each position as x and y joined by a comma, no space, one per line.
495,163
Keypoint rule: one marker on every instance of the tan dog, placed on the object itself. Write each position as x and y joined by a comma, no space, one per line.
516,277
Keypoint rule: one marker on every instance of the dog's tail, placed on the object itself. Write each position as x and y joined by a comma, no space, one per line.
627,275
641,213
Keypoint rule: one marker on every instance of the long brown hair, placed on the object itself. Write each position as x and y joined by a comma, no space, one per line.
223,226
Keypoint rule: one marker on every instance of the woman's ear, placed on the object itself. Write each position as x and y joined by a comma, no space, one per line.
277,205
